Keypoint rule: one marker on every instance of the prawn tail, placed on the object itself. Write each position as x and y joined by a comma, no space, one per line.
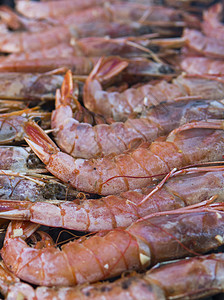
15,210
39,141
214,12
106,68
68,95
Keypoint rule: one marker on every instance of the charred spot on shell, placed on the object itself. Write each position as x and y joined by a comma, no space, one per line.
165,69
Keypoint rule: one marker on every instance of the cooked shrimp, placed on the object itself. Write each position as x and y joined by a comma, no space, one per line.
188,278
129,12
33,187
120,105
29,87
182,188
87,141
91,46
18,159
202,65
203,45
26,41
12,124
15,21
53,9
212,26
116,173
157,237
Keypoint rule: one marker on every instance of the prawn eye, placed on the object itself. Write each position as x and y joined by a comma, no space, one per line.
165,69
37,120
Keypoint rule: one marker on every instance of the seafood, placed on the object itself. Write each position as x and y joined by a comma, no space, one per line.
26,41
212,26
52,9
120,105
18,159
29,87
91,46
82,23
154,284
86,141
208,46
182,188
129,12
33,187
106,254
12,124
202,65
113,174
16,22
14,42
21,177
82,65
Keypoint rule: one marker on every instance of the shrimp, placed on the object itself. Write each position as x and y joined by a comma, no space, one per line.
18,159
91,46
182,188
33,187
208,87
12,124
113,174
60,50
107,254
202,65
52,9
86,141
129,12
115,105
188,278
16,22
90,22
212,26
14,42
29,87
80,65
201,44
26,41
120,105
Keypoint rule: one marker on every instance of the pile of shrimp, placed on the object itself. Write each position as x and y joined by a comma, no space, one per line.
111,149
